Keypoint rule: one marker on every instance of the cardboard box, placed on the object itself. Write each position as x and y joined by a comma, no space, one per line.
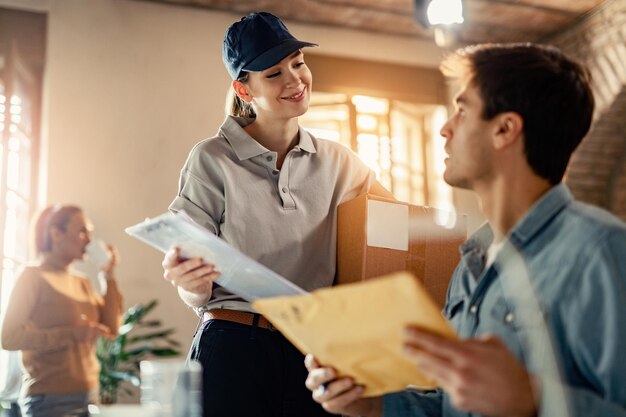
378,236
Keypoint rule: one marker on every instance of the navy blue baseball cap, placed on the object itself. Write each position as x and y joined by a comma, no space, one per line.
257,42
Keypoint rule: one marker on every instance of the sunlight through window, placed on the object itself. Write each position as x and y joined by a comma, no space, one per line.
21,83
366,122
10,231
8,276
399,141
16,178
367,149
13,170
443,195
325,133
370,105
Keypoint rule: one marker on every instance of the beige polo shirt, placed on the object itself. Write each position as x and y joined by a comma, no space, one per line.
285,219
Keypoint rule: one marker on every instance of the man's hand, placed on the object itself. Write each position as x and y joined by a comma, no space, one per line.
481,375
339,396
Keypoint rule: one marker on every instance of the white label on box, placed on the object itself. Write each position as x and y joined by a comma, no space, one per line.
388,225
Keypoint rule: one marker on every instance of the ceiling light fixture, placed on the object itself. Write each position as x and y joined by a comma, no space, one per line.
442,15
445,12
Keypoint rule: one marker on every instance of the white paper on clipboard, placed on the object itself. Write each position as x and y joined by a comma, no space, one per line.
240,274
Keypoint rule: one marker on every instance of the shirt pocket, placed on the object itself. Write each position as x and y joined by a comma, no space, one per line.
504,316
519,327
505,325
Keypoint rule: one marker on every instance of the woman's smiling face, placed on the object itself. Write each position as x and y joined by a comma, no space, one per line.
283,90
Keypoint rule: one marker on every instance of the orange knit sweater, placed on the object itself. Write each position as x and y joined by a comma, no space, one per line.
42,312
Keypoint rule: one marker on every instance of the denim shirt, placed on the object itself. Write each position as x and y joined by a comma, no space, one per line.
554,295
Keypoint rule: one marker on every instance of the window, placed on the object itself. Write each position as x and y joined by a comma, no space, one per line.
22,42
390,115
16,178
398,140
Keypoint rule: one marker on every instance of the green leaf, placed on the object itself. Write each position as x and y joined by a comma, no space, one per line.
126,376
119,363
139,350
125,329
149,323
173,342
165,352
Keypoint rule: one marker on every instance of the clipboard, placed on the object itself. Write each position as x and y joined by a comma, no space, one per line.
240,274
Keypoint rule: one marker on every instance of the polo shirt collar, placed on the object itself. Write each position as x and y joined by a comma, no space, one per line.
246,147
306,142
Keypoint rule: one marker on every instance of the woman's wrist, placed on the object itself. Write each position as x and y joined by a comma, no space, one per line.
106,274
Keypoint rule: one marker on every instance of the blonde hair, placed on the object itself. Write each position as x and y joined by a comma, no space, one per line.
235,106
57,216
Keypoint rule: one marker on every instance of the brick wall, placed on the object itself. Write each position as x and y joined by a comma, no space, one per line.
597,171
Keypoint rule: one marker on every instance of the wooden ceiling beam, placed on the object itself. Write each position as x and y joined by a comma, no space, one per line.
486,20
532,6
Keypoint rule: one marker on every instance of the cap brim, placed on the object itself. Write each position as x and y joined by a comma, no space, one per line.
276,54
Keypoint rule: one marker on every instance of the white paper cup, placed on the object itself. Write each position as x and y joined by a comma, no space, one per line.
98,253
172,386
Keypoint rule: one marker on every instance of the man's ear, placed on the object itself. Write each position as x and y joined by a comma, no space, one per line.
242,91
508,128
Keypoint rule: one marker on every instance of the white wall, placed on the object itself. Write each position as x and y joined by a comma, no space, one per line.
129,88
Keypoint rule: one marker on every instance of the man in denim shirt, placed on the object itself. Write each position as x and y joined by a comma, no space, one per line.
540,289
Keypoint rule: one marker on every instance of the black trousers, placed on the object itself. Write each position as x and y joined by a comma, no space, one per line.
251,372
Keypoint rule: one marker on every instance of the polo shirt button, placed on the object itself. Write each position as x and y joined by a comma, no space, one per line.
269,158
473,309
509,317
285,189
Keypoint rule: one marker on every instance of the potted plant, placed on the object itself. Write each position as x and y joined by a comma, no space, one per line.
119,357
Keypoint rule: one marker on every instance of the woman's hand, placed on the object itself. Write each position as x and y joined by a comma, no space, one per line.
192,275
89,331
339,396
114,257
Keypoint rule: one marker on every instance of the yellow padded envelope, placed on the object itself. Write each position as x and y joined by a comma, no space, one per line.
358,328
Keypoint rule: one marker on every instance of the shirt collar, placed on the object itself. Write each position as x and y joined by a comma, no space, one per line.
306,141
246,147
474,250
544,209
479,241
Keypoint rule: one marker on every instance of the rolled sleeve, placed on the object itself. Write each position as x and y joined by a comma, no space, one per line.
359,175
201,190
198,215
